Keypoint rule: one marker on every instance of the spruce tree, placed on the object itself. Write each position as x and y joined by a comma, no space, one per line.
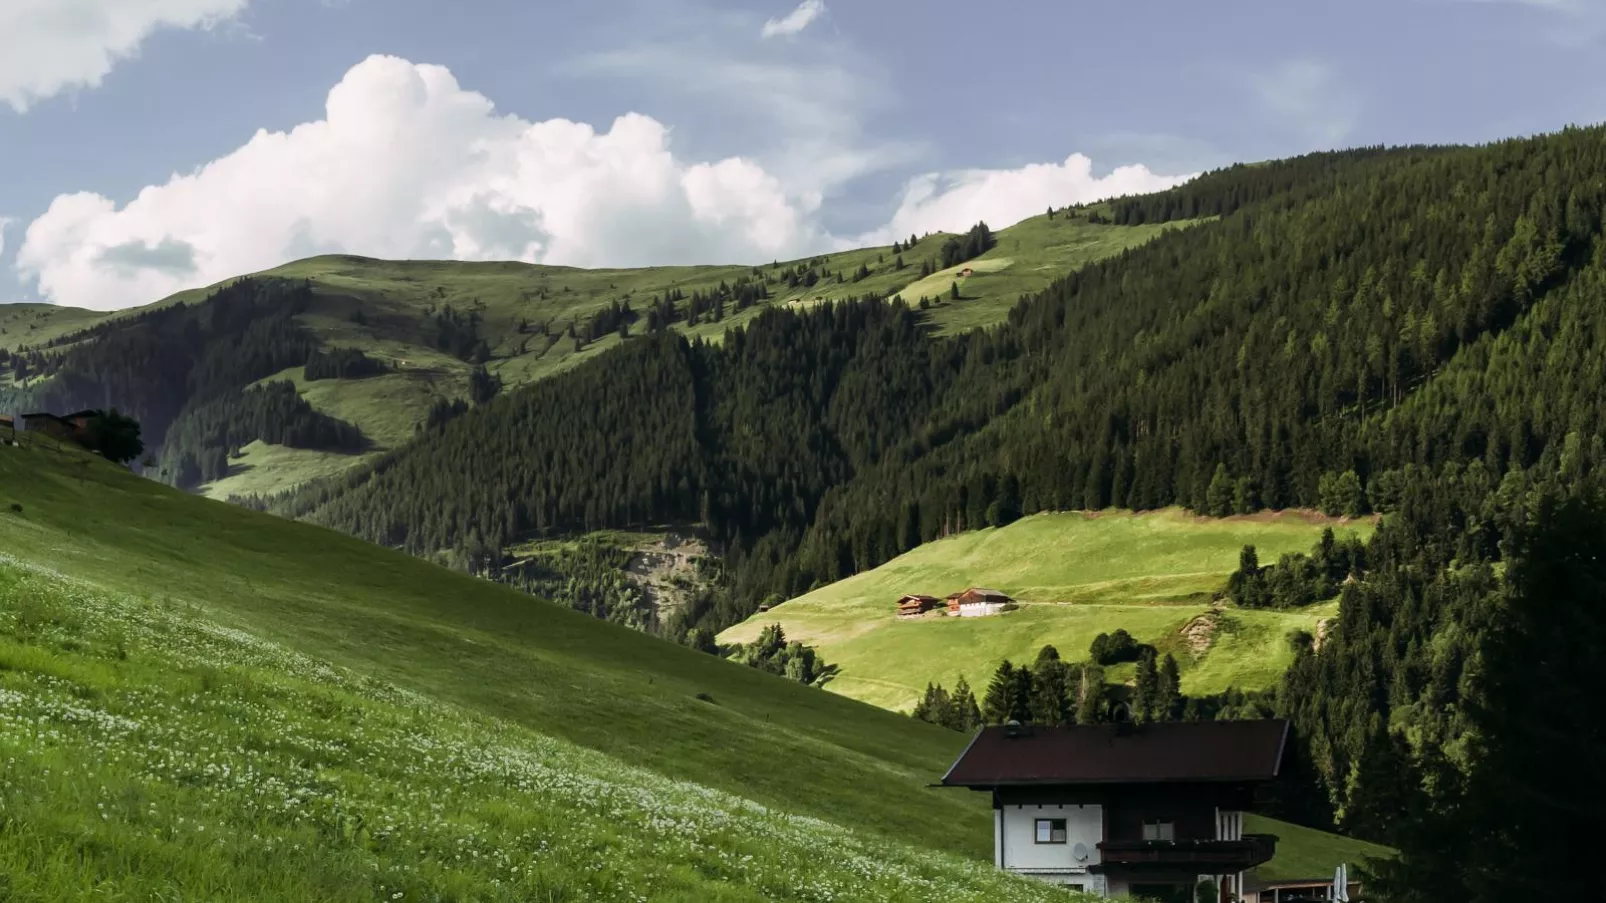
1145,688
998,703
1089,694
1218,498
1050,699
1168,696
966,714
1020,695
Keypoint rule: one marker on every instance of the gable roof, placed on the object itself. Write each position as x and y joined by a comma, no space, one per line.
1122,754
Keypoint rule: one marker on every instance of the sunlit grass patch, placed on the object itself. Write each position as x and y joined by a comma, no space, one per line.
149,754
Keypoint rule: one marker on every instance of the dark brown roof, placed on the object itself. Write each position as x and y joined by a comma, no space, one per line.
916,597
1109,754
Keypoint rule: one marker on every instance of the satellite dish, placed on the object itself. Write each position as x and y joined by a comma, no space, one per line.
1079,852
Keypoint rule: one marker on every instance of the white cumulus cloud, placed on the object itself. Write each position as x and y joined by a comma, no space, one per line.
406,163
48,46
794,21
937,202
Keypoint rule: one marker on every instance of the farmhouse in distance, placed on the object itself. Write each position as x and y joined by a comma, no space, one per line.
970,603
977,602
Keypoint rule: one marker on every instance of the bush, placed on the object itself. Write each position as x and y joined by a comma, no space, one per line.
1114,648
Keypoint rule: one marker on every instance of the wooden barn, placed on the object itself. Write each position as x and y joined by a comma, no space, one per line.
914,605
66,426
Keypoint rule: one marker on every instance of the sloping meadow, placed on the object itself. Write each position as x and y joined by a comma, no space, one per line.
147,753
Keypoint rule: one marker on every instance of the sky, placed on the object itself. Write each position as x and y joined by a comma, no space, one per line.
148,147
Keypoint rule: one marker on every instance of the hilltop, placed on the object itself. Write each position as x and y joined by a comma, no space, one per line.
1074,575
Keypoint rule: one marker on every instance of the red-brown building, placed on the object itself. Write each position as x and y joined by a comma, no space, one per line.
977,601
915,605
1146,810
71,427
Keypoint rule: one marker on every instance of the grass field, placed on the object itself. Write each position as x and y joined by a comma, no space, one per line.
33,324
1077,575
149,753
1307,853
487,648
1029,255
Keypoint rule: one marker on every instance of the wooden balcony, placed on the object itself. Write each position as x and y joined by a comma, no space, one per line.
1209,856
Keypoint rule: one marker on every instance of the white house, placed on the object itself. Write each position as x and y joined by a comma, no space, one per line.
1122,809
976,602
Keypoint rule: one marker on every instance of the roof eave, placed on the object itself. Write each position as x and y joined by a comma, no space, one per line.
1083,782
965,752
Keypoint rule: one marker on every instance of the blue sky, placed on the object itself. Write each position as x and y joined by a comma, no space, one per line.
151,149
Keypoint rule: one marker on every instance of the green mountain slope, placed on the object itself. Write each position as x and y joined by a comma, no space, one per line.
1076,576
152,754
486,649
530,322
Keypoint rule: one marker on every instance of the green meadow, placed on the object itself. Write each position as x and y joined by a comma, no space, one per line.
1076,575
149,753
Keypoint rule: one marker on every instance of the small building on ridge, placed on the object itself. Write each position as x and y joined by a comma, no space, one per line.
914,605
976,602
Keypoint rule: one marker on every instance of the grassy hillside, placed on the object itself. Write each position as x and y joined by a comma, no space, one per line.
31,324
394,295
151,753
1308,853
1079,575
487,649
1029,255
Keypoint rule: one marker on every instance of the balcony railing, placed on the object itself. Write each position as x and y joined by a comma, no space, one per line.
1227,855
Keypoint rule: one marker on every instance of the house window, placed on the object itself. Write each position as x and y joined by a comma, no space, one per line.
1051,830
1159,830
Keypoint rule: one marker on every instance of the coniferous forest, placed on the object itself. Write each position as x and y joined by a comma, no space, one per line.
1415,332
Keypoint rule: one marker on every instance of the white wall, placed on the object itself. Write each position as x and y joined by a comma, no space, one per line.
1229,824
1083,824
